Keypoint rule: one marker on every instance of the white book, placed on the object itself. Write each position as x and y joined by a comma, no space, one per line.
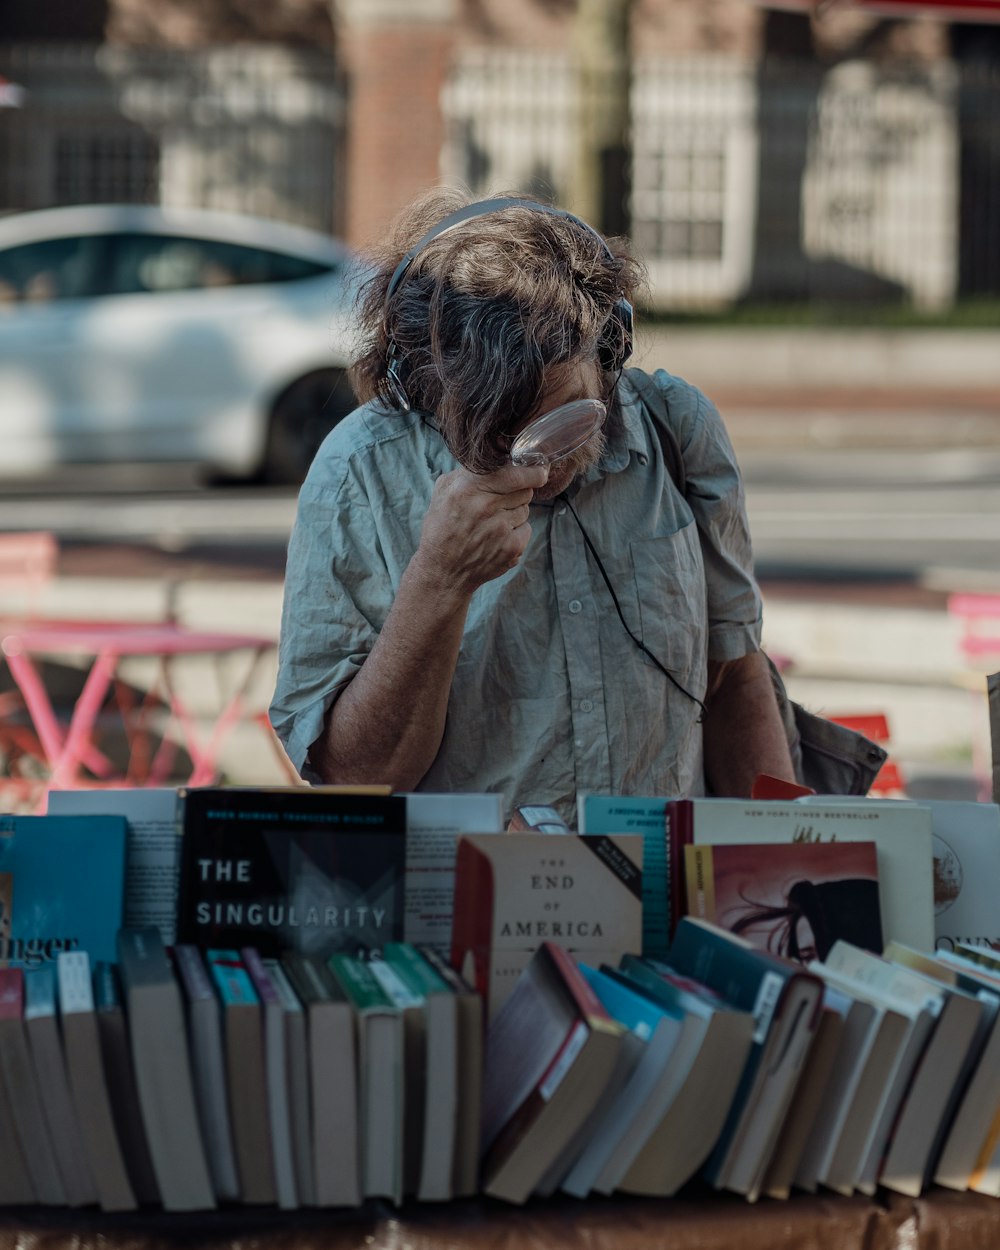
933,1089
204,1028
275,1071
434,823
297,1074
900,830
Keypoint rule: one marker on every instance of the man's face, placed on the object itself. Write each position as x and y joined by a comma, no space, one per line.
564,383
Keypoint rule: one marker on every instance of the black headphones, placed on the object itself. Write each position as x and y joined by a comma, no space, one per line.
615,346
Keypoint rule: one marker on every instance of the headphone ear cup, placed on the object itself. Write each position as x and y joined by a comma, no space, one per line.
616,341
394,383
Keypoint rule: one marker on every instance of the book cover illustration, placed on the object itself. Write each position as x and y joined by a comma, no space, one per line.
291,870
514,892
62,886
966,846
793,899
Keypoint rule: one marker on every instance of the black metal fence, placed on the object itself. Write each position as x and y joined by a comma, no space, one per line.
750,181
256,129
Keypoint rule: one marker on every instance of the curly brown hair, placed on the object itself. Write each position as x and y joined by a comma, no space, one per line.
483,312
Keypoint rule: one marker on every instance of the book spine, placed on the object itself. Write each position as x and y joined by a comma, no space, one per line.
472,922
587,1002
679,832
75,991
414,968
11,993
358,983
39,992
191,972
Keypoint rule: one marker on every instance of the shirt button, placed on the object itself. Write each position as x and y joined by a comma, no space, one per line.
579,742
561,511
575,606
586,705
642,458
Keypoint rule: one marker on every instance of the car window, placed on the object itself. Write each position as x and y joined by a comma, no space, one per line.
51,269
154,262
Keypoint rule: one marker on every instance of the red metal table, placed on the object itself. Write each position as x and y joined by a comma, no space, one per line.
69,749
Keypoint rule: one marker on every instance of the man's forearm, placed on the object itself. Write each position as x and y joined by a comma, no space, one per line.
387,725
743,733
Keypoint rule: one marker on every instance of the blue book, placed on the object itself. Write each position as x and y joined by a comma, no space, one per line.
608,813
62,886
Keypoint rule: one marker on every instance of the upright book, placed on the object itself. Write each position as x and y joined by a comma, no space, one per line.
469,1006
163,1071
785,1001
297,1076
88,1088
153,847
243,1028
550,1050
381,1093
312,870
41,1024
119,1072
203,1013
61,885
901,832
438,1087
794,899
18,1075
276,1061
333,1080
608,813
516,891
932,1095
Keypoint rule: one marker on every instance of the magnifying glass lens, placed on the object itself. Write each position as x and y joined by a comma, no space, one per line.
558,433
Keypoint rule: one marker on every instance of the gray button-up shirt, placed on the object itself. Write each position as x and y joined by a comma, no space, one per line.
550,695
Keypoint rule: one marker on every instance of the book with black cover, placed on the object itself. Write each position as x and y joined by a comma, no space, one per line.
290,868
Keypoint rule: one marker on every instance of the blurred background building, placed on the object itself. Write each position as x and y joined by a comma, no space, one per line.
754,154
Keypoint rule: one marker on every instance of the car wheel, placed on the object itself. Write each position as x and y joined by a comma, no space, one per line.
302,417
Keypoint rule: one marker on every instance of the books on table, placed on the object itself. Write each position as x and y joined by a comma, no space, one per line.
381,1076
243,1030
333,1080
514,892
900,830
675,1133
62,881
41,1024
163,1071
23,1095
437,1087
550,1049
88,1088
793,899
292,868
786,1002
933,1089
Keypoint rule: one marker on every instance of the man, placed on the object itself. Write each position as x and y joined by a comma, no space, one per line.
456,621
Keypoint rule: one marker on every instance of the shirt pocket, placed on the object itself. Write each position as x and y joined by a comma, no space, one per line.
669,579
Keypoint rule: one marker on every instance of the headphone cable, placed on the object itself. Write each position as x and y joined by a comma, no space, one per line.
564,498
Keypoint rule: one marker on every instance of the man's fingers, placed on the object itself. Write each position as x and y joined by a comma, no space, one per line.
515,477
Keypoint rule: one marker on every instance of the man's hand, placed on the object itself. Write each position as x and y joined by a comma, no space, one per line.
476,528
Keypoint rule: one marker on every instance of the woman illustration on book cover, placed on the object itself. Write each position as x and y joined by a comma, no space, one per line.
813,916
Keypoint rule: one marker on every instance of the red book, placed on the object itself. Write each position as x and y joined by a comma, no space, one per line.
550,1051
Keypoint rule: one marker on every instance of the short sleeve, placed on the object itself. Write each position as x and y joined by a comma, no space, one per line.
336,598
714,490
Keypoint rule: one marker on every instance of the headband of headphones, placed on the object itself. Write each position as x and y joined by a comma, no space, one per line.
616,340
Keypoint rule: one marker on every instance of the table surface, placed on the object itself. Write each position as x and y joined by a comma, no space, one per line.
122,638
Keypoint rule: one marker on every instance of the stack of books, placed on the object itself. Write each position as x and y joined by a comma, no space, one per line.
314,998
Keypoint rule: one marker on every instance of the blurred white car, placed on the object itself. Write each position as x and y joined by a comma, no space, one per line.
134,334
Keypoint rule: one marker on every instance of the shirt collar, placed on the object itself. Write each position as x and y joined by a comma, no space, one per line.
626,436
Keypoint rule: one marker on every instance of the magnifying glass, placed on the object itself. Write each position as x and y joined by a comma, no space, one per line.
558,433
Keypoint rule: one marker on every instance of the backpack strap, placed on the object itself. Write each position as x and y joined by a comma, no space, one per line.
655,403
